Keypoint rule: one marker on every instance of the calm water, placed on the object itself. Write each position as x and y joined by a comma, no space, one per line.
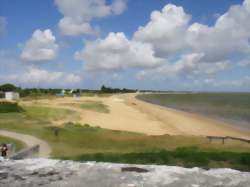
229,107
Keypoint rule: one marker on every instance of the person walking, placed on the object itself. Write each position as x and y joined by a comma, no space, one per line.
4,149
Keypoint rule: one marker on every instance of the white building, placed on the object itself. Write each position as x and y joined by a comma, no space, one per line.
12,96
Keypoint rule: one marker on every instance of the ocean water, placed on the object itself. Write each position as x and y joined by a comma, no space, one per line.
233,108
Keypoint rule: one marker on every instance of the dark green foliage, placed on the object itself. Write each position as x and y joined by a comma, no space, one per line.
7,107
187,157
8,88
105,89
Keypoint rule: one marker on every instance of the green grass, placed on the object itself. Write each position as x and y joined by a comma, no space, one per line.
96,106
233,107
7,107
49,114
79,142
185,157
93,94
18,144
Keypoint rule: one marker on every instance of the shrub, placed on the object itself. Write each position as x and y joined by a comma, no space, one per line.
7,107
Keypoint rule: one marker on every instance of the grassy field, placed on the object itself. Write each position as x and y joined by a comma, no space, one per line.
82,142
49,114
96,106
18,144
231,107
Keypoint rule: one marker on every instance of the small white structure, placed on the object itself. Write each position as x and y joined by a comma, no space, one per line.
12,96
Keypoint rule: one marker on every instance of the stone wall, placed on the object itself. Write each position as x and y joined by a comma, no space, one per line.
26,153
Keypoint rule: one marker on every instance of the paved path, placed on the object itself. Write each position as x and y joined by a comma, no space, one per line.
30,141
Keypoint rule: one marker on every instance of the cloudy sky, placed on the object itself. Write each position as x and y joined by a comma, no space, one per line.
146,44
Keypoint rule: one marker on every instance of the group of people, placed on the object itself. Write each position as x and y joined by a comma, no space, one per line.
3,150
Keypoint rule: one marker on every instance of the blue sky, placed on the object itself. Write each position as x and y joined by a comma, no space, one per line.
163,44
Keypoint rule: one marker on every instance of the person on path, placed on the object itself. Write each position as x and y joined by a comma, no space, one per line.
4,149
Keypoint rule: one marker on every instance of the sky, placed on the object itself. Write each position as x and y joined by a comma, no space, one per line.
177,45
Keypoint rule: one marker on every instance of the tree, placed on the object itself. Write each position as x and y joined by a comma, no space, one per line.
8,88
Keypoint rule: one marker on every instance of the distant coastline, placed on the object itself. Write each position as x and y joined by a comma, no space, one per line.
233,108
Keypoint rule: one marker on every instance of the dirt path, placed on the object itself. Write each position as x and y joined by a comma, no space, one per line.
30,141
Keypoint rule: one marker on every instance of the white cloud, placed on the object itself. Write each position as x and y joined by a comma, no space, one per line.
79,13
72,27
116,53
35,76
166,30
3,24
170,46
229,36
40,47
170,32
245,62
188,66
118,6
241,82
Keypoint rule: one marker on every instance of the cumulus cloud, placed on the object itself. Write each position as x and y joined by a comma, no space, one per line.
188,66
36,76
3,24
170,32
41,46
171,46
245,62
79,13
240,82
116,53
166,30
229,36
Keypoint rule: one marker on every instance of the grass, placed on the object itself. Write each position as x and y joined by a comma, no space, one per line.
18,144
96,106
185,157
50,114
232,107
83,142
7,107
94,94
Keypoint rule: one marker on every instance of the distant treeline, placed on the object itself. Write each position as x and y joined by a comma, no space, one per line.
105,89
53,91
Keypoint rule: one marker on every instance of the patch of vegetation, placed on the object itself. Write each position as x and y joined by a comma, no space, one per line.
86,143
8,88
96,106
7,107
50,114
233,107
105,89
185,157
18,144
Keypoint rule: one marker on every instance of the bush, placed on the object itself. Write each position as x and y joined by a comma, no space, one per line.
187,157
7,107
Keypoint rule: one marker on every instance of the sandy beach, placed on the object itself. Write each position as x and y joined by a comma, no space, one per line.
130,114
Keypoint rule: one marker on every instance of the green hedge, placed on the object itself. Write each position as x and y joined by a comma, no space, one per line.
7,107
186,157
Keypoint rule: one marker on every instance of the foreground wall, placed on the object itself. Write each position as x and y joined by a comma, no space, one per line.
45,172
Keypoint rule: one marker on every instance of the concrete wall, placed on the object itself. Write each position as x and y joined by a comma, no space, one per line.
26,153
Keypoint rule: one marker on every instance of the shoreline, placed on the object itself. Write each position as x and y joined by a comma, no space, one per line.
180,122
236,123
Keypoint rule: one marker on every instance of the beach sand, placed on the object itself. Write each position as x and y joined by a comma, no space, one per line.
130,114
